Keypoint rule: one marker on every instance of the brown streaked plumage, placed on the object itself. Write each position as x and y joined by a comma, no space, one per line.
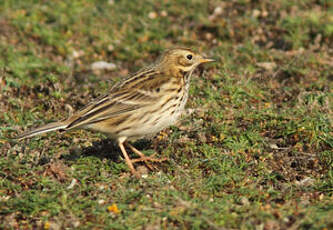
140,105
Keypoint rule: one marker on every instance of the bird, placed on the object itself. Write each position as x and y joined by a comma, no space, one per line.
139,106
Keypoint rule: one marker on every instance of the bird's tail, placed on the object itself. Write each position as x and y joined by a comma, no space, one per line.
44,129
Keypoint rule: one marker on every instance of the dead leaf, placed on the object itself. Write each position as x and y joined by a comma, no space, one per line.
56,170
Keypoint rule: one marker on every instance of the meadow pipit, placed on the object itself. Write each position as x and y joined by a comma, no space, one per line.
140,105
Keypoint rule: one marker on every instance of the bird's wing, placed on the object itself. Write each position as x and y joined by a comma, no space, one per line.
126,97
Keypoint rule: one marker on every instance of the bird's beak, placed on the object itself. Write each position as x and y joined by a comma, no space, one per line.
204,60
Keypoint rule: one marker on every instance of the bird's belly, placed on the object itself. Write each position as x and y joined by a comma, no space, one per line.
144,122
154,122
151,127
164,121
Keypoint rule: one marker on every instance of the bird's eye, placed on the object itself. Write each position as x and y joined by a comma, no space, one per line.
189,56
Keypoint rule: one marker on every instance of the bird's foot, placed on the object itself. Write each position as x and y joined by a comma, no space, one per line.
147,159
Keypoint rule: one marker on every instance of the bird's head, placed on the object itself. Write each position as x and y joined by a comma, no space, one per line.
182,59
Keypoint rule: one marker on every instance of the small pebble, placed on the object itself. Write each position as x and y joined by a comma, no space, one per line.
102,65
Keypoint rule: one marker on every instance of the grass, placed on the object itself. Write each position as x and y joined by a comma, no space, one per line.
254,153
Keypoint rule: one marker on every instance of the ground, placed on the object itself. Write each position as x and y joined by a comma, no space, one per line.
253,150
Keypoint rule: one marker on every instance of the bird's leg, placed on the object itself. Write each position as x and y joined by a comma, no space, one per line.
127,159
143,157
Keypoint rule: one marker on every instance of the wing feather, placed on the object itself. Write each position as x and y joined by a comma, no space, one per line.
123,98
